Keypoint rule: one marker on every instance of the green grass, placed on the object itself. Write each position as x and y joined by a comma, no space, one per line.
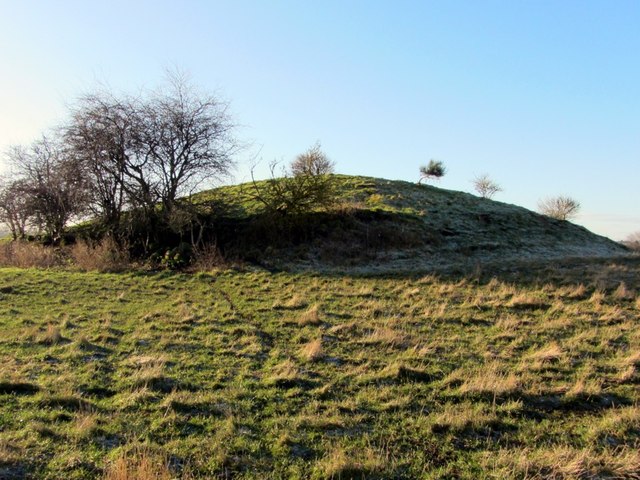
248,374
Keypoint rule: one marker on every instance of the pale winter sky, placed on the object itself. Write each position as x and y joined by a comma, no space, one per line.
544,96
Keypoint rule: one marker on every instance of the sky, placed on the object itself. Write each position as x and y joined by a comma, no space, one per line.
543,96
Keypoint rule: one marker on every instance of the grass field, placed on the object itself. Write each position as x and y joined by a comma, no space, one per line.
532,373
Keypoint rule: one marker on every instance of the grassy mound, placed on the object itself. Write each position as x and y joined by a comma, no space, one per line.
383,226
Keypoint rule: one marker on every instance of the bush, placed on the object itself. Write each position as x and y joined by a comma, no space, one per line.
105,256
24,254
560,207
433,171
307,187
486,187
178,257
208,257
312,162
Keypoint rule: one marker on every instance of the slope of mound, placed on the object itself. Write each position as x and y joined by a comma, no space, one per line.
381,225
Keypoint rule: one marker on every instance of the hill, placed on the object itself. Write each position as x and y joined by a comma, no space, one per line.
381,225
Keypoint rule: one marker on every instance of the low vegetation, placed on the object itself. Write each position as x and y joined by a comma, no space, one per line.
527,372
560,207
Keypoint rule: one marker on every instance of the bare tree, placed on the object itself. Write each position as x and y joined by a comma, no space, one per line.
560,207
433,171
147,152
15,211
485,187
184,139
100,136
54,185
312,162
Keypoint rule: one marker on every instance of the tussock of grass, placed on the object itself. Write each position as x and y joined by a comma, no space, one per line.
9,454
310,317
293,303
464,416
597,298
286,375
490,379
615,425
51,336
527,301
399,372
312,351
585,386
385,336
623,292
139,464
341,463
550,353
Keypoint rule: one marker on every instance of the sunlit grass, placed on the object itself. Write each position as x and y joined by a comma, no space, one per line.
259,375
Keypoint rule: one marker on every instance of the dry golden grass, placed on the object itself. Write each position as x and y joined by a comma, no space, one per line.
509,323
28,255
490,379
207,258
85,425
312,351
51,336
386,336
105,256
548,354
462,416
310,317
573,292
612,314
149,370
527,300
139,464
286,371
411,293
365,291
623,293
341,463
597,298
633,358
134,398
585,385
293,303
564,462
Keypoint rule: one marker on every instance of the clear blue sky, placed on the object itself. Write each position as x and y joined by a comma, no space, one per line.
542,95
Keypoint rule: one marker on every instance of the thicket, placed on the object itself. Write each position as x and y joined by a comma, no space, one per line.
122,171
